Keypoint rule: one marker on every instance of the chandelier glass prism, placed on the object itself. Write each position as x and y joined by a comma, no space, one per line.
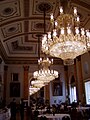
67,40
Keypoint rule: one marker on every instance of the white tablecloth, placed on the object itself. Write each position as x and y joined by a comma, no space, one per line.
82,108
55,117
5,115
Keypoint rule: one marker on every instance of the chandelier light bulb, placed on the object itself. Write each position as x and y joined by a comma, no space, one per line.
54,33
77,19
52,16
61,10
75,11
77,30
56,24
52,61
49,35
87,33
68,30
82,31
62,31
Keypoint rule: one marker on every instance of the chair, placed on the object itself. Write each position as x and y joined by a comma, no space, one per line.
35,115
41,118
66,118
74,114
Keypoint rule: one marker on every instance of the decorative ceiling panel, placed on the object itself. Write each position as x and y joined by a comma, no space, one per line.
16,48
9,9
37,7
38,26
11,29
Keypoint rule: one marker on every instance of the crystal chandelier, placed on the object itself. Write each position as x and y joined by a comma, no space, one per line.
45,74
37,83
67,40
33,90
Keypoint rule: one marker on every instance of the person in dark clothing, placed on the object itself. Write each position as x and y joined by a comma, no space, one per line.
3,103
13,109
29,113
22,109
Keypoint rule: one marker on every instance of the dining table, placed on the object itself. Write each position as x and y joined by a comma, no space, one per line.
82,108
5,114
54,116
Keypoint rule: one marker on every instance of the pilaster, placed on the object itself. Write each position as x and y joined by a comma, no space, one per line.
26,86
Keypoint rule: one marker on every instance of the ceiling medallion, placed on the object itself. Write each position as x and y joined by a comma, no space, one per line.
8,11
12,29
44,5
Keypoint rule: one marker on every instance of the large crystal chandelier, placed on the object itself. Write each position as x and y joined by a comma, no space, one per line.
67,40
44,73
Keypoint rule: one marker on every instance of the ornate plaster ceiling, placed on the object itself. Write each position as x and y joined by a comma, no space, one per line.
22,20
